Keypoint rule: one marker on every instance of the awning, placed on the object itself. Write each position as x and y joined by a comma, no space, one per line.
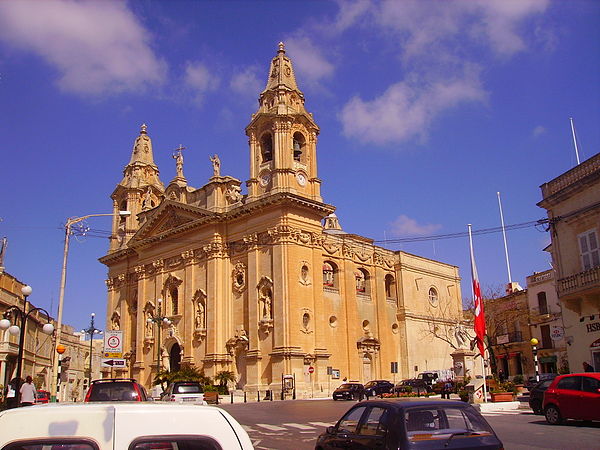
595,344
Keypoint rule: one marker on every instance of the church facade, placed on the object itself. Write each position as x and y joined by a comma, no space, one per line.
266,284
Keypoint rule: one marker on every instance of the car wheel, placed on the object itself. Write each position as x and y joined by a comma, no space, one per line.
552,414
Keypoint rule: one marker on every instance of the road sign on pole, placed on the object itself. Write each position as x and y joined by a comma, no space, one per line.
113,344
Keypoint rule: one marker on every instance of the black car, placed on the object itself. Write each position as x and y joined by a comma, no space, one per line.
536,396
116,390
393,424
416,385
532,381
349,391
378,387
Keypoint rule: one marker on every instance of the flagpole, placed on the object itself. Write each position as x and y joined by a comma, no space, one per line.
504,236
477,296
574,139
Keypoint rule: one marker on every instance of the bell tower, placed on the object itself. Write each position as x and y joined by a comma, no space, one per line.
139,190
282,138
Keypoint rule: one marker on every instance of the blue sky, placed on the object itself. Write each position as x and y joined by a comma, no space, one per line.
426,110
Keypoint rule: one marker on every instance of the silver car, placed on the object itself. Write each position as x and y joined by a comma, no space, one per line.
184,392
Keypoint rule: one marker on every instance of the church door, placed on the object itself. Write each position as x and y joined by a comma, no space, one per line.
175,357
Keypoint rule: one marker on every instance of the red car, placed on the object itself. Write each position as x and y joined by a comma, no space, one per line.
575,396
42,396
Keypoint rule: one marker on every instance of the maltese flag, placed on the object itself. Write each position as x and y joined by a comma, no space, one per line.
479,314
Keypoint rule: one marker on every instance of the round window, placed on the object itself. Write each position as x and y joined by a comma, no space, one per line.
333,321
433,297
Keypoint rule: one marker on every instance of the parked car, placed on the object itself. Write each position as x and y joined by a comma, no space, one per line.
575,396
378,387
133,426
116,390
429,378
349,391
536,396
418,386
42,396
184,392
410,423
532,382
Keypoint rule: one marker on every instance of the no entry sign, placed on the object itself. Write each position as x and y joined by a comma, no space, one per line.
113,344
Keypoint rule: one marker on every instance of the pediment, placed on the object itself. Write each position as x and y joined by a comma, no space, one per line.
170,216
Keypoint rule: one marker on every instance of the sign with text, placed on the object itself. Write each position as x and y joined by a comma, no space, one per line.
113,344
113,362
556,333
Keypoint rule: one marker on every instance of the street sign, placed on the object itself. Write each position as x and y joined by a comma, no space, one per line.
113,344
311,369
556,333
113,362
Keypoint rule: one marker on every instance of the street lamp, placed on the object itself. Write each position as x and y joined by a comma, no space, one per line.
14,310
91,330
61,296
534,342
158,319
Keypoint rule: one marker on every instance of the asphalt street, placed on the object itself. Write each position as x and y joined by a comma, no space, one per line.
296,424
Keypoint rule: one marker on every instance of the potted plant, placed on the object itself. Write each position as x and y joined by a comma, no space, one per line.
504,392
518,381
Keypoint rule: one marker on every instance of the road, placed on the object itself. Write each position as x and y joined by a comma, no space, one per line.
296,424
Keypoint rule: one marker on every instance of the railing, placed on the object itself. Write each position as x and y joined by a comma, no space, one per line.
574,175
579,281
515,336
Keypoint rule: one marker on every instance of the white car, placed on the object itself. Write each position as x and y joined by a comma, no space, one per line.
184,392
116,426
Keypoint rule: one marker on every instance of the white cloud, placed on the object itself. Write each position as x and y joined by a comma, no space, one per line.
405,226
199,78
308,59
405,110
246,82
538,131
97,47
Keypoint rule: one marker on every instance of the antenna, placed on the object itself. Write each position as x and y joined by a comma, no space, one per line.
574,139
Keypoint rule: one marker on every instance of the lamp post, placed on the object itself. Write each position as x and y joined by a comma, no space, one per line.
534,342
91,330
61,296
158,319
14,310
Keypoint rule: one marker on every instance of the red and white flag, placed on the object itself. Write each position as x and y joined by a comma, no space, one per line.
479,313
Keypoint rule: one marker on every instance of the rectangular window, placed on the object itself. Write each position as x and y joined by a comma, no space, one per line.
542,303
546,339
588,246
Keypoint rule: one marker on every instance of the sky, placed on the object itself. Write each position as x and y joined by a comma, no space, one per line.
427,109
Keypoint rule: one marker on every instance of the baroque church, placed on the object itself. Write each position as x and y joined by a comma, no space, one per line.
266,284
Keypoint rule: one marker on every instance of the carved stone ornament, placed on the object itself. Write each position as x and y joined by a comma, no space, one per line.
238,343
368,344
265,325
115,321
239,277
331,247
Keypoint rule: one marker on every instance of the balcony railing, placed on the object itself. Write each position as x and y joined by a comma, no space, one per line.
579,281
571,177
515,336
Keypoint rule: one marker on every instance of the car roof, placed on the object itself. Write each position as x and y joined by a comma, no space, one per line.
582,374
411,402
126,421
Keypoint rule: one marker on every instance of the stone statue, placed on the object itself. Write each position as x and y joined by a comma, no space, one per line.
200,318
267,305
178,156
147,199
461,335
216,162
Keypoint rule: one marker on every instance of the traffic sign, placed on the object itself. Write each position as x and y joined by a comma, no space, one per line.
113,344
311,369
113,362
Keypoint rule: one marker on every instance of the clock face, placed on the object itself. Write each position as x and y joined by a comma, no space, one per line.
264,178
301,179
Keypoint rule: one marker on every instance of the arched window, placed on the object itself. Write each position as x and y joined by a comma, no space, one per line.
542,303
266,147
298,146
329,274
362,278
390,286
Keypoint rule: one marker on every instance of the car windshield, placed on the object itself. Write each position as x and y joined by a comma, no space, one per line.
188,389
424,424
348,386
371,384
113,391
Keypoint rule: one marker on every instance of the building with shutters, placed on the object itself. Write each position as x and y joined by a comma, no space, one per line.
260,278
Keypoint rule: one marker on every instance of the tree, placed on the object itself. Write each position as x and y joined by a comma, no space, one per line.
223,378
